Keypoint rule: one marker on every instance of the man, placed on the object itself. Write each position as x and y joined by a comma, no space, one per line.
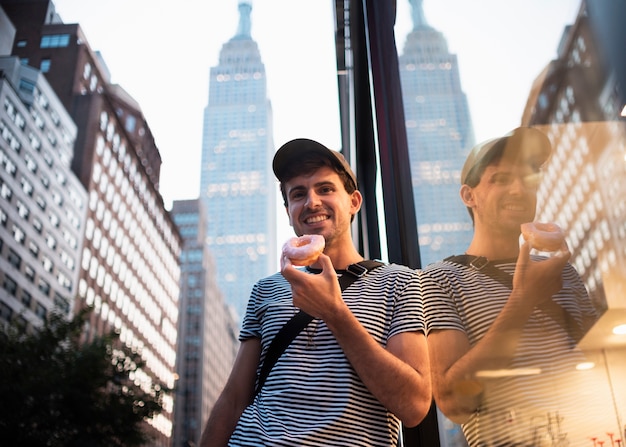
502,322
361,365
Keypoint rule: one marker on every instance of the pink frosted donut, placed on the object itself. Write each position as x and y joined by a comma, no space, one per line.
304,250
543,236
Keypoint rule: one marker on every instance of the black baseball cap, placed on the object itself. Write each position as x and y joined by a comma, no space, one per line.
523,144
294,150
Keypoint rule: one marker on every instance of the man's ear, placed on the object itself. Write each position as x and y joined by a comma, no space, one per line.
467,195
288,216
357,200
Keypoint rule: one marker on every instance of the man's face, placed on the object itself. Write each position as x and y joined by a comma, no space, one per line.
505,197
319,204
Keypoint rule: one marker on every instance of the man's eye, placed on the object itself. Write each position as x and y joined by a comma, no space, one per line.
502,179
533,180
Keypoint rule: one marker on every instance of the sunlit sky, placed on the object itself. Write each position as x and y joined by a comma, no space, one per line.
161,51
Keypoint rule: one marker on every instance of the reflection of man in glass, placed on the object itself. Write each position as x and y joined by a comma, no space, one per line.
503,323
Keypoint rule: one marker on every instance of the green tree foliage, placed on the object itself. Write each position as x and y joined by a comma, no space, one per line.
57,391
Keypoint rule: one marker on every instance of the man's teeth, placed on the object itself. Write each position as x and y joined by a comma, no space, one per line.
315,219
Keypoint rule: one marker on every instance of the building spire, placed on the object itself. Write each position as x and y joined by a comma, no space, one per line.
245,8
417,13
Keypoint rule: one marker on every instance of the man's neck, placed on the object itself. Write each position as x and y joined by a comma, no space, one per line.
342,257
494,246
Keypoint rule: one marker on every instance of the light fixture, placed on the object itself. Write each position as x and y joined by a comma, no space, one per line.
496,373
620,329
585,366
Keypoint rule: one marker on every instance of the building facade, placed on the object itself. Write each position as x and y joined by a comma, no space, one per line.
42,203
440,135
128,270
237,183
207,329
577,101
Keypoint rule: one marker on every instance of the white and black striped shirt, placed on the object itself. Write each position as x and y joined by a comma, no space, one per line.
515,410
313,396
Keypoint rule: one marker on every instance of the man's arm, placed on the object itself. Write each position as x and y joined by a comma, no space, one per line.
398,375
237,394
455,364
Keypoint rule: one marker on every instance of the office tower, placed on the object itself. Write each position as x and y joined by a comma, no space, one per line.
207,329
237,183
439,133
42,203
129,264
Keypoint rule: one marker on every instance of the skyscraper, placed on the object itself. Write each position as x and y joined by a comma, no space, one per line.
207,331
440,134
129,271
42,203
237,183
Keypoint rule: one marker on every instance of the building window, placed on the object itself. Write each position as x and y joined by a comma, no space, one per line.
26,298
26,85
47,264
44,66
18,234
5,191
41,202
21,44
33,248
9,285
61,303
15,260
41,311
55,41
27,187
37,225
29,272
44,287
22,210
5,312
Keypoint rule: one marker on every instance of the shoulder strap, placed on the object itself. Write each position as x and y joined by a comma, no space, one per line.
300,320
481,264
551,308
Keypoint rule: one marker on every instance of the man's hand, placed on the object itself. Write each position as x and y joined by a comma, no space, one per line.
537,281
318,295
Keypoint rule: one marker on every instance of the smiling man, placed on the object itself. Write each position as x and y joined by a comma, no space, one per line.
503,323
360,365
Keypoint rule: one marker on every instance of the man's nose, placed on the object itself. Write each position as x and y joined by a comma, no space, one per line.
312,199
524,183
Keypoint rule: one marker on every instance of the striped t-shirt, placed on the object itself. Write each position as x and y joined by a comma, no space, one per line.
313,396
515,410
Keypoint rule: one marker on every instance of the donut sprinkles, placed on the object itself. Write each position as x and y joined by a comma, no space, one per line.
543,236
304,250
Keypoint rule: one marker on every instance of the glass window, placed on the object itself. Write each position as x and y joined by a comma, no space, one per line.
55,41
14,259
41,311
44,287
9,285
44,66
26,298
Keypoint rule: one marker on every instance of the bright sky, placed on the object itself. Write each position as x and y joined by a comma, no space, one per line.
161,55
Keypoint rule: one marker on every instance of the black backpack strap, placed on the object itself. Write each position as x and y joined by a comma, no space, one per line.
551,308
300,320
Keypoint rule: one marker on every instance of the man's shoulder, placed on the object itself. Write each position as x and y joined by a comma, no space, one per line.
393,268
273,279
451,263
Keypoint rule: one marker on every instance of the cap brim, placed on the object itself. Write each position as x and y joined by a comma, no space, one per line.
293,151
523,145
